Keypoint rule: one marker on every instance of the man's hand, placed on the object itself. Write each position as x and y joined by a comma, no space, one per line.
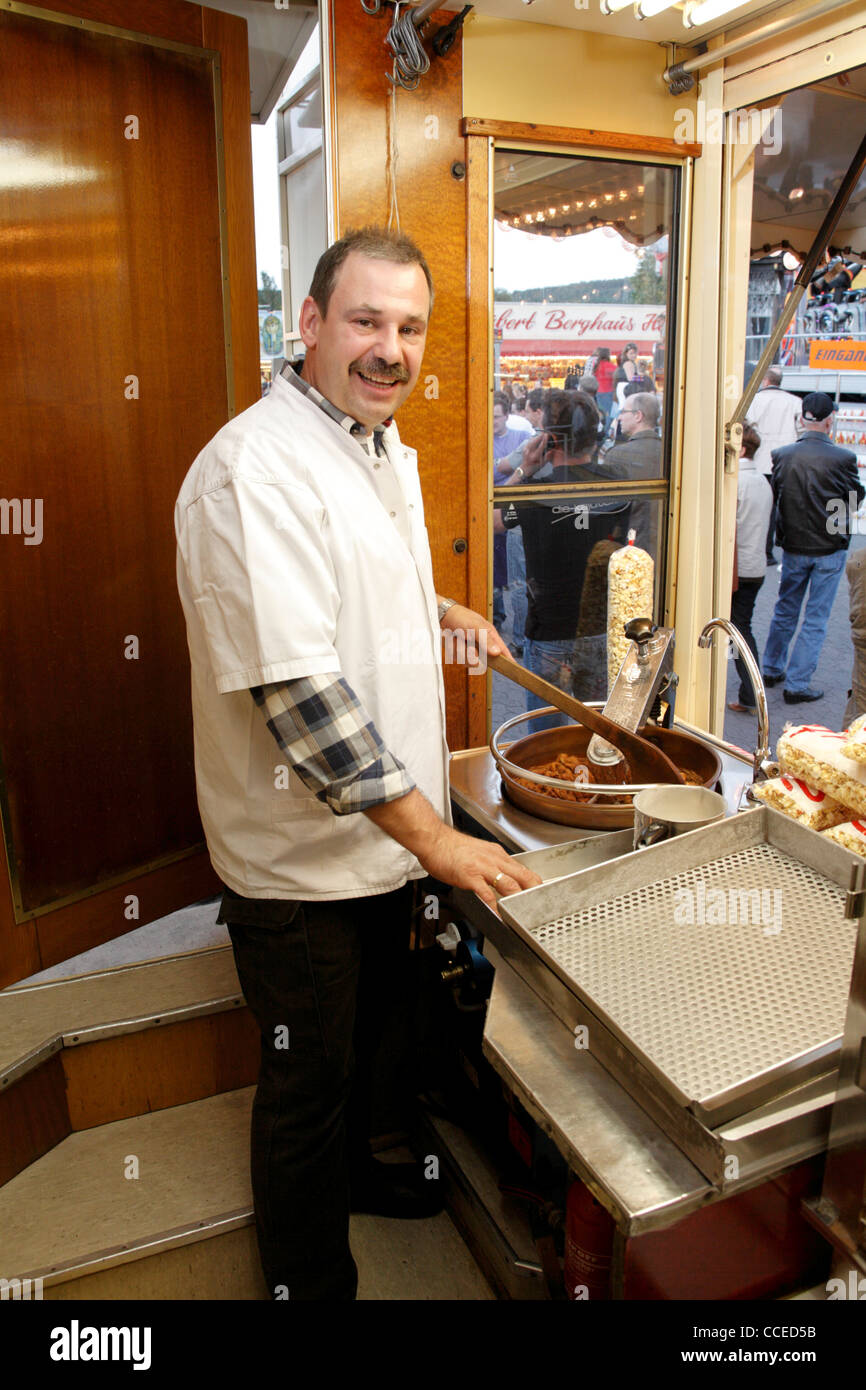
470,623
534,454
479,865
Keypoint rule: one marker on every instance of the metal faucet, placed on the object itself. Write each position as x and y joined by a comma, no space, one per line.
759,772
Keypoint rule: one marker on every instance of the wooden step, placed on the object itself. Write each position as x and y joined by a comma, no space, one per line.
183,1227
82,1052
35,1020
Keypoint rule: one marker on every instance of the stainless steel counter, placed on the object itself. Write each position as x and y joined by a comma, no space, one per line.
629,1161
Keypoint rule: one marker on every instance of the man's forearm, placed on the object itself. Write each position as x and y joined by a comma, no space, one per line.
411,821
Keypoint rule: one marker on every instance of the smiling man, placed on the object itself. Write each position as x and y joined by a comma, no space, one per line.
321,766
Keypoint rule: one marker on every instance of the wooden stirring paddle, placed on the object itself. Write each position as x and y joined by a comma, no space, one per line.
648,763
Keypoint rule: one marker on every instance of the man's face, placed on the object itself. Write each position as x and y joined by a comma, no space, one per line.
500,420
630,420
535,417
364,356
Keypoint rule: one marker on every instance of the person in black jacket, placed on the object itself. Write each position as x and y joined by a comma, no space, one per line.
816,487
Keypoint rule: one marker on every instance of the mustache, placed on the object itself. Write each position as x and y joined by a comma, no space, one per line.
377,366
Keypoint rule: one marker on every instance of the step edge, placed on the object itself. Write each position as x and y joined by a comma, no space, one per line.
110,1257
140,1023
129,965
96,1032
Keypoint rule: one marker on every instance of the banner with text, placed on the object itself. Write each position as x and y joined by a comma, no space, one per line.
574,330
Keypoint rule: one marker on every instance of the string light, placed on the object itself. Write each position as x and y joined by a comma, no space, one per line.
703,12
646,9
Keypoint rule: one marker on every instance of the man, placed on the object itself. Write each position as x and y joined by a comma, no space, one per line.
754,503
515,556
639,456
516,418
505,441
775,414
560,536
303,562
814,483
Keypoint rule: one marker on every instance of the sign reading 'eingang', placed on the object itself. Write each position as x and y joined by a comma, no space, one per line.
839,355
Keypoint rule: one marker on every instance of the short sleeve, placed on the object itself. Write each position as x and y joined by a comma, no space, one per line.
262,582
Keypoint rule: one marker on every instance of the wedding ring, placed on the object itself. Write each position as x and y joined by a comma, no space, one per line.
497,878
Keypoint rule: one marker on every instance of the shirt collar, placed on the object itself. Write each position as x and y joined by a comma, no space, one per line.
291,372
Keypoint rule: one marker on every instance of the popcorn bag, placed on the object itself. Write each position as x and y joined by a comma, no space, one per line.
851,835
630,594
801,802
854,746
815,755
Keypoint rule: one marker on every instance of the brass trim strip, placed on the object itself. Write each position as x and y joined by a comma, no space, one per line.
657,487
157,1244
129,875
93,26
678,381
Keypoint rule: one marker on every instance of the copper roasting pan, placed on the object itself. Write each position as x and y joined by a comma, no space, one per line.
534,750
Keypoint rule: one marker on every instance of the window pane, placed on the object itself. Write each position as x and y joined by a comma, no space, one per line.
582,276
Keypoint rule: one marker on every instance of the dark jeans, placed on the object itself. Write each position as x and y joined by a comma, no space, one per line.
742,607
319,977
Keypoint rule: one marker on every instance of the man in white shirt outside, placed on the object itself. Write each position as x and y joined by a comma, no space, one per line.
321,764
754,504
775,414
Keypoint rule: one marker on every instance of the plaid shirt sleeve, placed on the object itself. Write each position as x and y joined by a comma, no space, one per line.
332,744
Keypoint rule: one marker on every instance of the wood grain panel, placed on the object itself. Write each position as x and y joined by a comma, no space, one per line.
103,917
479,389
159,1067
33,1118
116,245
432,210
573,135
31,945
165,19
228,33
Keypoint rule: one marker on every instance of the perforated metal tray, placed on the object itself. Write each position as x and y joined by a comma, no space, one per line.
720,961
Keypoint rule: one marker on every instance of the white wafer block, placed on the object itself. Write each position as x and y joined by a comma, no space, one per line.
794,798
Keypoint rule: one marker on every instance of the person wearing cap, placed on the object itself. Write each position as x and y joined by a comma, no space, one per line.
813,482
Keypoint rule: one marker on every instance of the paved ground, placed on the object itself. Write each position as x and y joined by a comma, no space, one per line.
833,674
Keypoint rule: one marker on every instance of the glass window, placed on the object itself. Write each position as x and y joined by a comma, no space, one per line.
581,417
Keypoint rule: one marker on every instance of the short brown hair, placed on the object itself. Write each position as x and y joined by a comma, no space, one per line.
751,441
377,243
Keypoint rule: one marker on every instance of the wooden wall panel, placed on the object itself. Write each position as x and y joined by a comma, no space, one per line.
96,746
166,19
160,1067
104,916
91,776
432,210
33,1118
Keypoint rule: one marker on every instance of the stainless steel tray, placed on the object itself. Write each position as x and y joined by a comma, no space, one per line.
709,1019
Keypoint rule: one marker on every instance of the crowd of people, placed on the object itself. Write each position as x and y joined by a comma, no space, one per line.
796,489
551,554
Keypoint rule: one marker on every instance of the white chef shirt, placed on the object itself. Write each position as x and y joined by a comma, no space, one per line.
298,554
